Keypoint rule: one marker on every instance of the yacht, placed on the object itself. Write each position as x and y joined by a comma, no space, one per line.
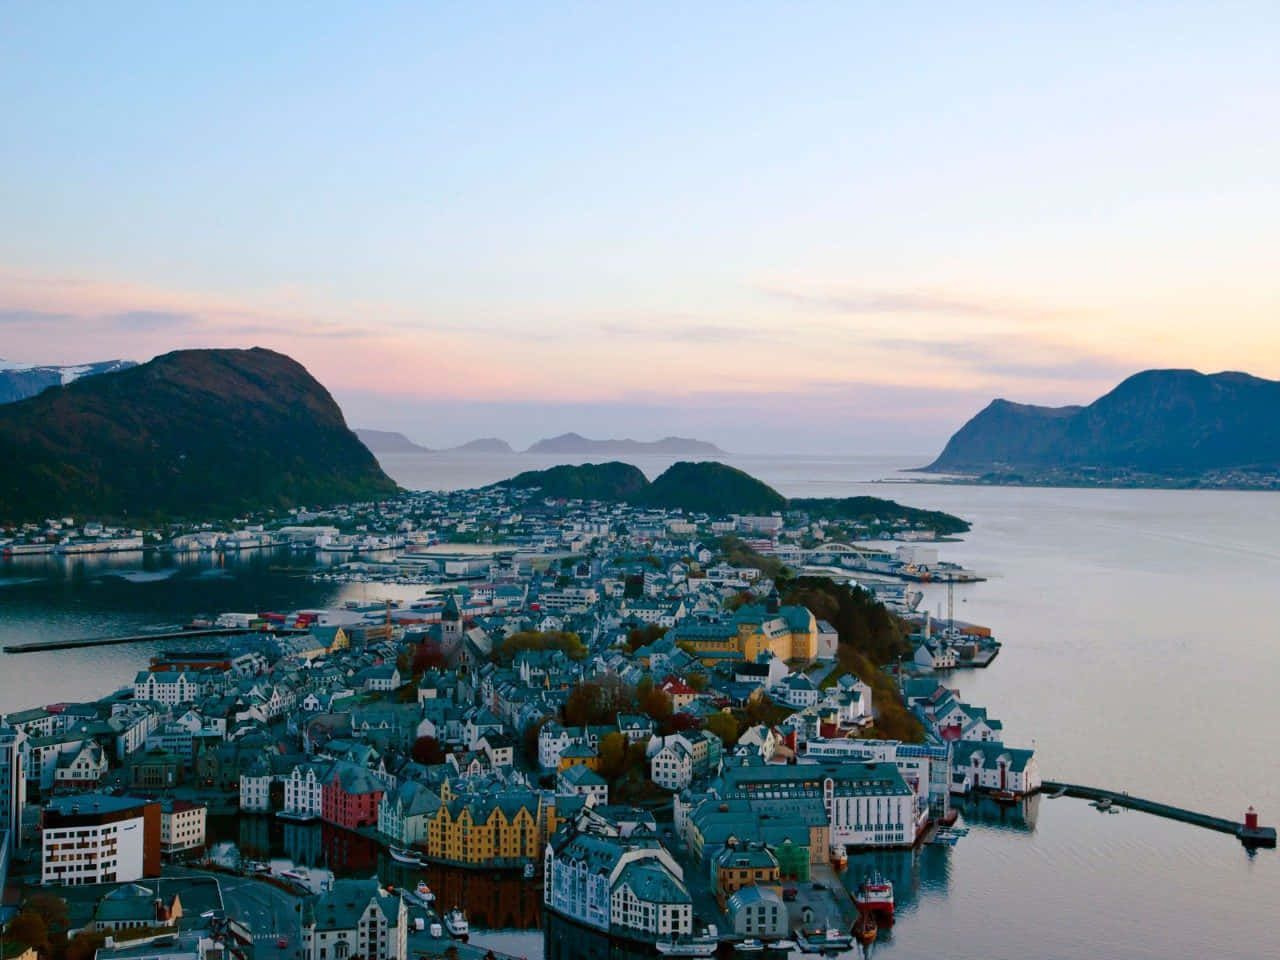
455,921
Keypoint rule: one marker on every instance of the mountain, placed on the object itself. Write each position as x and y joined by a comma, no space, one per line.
21,380
588,481
385,441
484,445
573,443
708,486
194,434
717,489
1167,422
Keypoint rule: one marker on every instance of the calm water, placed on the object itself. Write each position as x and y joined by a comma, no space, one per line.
1139,654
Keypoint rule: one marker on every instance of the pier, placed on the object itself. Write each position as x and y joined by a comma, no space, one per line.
37,646
1248,832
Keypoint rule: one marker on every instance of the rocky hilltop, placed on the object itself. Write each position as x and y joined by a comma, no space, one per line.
194,434
1159,422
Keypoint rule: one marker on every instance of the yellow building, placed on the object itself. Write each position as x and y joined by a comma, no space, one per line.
579,755
503,828
787,632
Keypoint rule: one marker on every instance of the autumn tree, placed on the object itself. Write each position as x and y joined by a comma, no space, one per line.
29,929
427,656
613,755
427,751
638,637
725,726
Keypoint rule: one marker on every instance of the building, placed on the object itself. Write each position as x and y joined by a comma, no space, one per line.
304,792
786,632
745,864
182,826
350,796
758,913
179,686
487,824
404,813
993,766
355,919
865,804
96,838
185,945
627,886
13,784
582,781
133,906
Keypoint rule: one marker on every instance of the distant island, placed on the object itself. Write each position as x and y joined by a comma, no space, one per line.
714,488
21,380
576,444
566,444
386,441
1166,428
192,434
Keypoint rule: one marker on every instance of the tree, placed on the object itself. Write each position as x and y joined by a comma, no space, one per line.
84,945
529,741
613,755
52,909
725,726
679,722
427,751
697,680
654,703
427,656
29,929
639,637
567,641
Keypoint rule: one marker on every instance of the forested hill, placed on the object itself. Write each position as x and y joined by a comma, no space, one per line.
193,434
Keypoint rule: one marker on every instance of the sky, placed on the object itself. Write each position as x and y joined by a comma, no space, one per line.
780,227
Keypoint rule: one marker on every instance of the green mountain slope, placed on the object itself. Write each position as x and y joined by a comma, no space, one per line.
587,481
194,434
710,487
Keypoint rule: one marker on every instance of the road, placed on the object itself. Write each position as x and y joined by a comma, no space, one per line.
268,911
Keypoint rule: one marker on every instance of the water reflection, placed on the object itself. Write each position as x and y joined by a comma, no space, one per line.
492,899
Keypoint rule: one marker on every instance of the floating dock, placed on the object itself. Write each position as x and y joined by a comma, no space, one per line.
38,646
1248,832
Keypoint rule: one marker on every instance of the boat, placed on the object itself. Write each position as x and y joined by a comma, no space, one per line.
423,892
405,856
703,946
257,866
829,940
1103,804
782,946
1004,796
1060,792
875,893
294,875
455,921
839,858
530,870
749,946
865,928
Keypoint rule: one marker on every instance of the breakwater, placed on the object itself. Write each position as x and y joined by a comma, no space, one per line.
36,646
1249,834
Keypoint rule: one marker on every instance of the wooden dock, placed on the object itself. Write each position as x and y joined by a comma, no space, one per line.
38,646
1249,836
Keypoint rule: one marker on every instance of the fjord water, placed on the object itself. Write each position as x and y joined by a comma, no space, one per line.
1139,654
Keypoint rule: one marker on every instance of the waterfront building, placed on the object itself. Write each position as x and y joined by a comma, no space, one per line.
96,838
355,920
865,804
13,786
758,913
304,791
488,824
584,782
626,885
993,766
925,767
350,795
404,813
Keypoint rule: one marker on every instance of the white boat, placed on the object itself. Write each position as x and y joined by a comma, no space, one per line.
423,892
294,875
405,856
749,946
784,946
530,870
829,940
455,921
703,946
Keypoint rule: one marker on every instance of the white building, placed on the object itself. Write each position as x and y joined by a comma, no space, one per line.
672,766
356,918
582,781
993,766
13,785
170,687
95,838
182,826
302,791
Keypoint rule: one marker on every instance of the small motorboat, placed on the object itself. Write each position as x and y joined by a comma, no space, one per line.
530,870
455,921
1104,804
423,892
865,928
781,946
702,946
294,875
1004,796
829,940
839,858
750,945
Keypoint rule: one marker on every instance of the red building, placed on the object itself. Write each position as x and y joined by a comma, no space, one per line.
350,797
